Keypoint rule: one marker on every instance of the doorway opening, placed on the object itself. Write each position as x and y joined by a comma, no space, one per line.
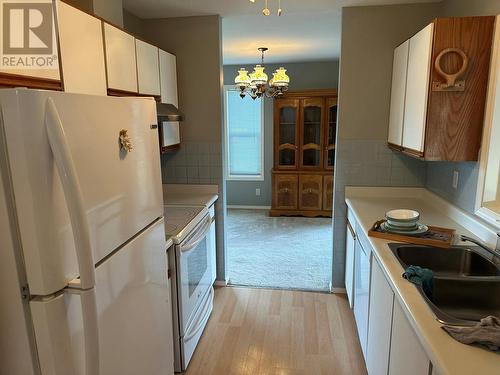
278,232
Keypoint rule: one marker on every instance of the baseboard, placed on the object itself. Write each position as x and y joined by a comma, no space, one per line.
249,207
220,283
339,290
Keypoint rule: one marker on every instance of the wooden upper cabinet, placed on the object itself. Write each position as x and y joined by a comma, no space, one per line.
148,69
286,133
310,192
121,65
168,78
331,132
398,92
417,85
445,94
311,132
455,118
82,51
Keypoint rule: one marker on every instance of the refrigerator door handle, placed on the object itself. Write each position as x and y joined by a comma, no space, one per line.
74,200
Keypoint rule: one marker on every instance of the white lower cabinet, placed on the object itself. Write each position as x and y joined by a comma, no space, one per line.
407,355
379,329
361,292
349,263
213,242
389,344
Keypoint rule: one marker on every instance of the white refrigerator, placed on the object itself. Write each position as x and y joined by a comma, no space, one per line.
83,263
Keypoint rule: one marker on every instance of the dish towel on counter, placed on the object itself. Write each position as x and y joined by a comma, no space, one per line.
486,333
420,276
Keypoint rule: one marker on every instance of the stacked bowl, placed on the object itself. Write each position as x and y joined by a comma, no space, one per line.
403,221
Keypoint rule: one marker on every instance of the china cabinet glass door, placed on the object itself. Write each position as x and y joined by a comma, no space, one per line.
311,132
287,133
331,133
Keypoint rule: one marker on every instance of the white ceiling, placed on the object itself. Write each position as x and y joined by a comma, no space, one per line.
308,30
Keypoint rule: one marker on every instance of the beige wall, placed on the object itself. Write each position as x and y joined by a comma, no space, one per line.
369,36
196,41
110,10
461,8
132,23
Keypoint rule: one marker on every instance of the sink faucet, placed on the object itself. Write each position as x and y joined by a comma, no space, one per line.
495,251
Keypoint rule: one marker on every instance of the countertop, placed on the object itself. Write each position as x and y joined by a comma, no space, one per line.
190,195
169,243
447,355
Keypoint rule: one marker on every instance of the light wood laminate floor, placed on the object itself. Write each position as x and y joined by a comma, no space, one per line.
271,332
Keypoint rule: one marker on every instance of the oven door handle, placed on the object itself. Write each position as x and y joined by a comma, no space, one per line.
203,317
204,231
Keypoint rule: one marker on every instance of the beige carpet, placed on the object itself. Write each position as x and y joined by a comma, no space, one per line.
282,252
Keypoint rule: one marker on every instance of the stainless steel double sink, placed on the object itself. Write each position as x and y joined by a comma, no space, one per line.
466,284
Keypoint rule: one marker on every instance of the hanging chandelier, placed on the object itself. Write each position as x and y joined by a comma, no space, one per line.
255,83
266,11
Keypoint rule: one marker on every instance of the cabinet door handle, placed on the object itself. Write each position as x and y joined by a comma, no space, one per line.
284,190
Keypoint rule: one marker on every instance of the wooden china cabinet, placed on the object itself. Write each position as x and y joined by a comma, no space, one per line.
304,153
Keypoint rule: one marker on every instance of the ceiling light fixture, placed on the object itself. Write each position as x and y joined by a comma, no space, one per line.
266,12
255,82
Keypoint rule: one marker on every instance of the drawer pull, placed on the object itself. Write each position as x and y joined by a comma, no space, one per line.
284,190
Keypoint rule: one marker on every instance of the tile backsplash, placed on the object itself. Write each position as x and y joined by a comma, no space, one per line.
367,163
439,181
193,163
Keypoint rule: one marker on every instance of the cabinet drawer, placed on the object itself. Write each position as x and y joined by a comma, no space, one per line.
310,192
285,192
327,193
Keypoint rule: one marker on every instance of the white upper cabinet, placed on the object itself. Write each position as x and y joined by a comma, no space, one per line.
168,78
121,63
148,70
417,89
398,93
82,51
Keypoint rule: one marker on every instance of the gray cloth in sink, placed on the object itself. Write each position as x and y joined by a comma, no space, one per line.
486,333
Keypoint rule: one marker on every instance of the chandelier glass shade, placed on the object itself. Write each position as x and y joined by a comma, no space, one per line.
255,83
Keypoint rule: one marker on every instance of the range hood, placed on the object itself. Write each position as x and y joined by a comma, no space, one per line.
168,112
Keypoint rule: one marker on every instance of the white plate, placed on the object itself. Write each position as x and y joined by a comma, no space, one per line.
421,230
402,224
403,215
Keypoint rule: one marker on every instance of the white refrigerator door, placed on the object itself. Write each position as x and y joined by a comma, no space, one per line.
134,310
121,189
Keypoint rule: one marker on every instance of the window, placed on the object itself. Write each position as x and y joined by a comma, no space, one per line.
488,192
244,137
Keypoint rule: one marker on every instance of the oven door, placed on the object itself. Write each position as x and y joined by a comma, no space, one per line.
194,276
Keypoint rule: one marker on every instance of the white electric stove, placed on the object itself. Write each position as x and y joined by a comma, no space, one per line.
193,276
